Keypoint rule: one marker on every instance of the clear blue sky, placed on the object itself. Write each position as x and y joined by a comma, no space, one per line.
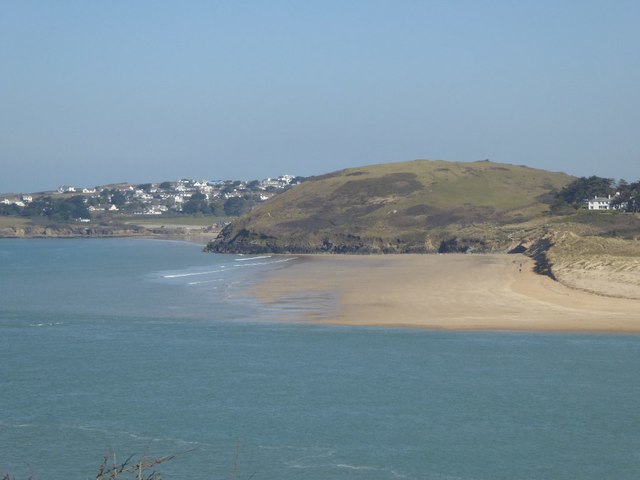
93,92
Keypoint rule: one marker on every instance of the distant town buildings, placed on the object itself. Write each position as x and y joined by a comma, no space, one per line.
161,198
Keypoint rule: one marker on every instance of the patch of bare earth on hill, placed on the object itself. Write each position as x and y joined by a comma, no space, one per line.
604,266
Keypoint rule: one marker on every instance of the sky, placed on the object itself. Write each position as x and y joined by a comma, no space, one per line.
95,92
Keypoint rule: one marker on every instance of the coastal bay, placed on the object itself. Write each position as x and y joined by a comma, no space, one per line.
320,241
132,345
455,291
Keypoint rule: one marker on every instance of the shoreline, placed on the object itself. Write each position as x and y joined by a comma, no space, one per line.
200,240
191,235
495,292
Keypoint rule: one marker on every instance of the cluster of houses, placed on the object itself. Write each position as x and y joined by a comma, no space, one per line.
19,201
159,198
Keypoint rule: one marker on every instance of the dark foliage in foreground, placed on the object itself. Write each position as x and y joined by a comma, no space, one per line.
140,468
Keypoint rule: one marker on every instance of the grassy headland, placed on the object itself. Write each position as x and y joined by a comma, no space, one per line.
447,207
421,206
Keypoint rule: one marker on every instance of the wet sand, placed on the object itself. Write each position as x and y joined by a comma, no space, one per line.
457,292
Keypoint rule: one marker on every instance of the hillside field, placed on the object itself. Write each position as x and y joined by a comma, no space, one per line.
418,206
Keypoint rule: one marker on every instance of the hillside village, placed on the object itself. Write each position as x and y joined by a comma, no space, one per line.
86,209
185,196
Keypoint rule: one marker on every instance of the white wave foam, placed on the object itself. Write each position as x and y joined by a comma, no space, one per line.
346,466
177,441
354,467
397,474
334,465
180,275
256,264
134,435
224,268
252,258
205,281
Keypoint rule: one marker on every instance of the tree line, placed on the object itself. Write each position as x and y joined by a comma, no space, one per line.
66,209
58,209
625,196
233,206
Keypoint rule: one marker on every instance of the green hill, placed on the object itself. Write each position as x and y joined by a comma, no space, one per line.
418,206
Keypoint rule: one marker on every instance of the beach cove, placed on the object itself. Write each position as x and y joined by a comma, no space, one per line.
456,291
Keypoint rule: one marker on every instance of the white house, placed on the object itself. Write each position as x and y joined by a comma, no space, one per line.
286,178
604,203
269,182
599,203
13,201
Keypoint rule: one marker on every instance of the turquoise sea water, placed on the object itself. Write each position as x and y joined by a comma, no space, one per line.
148,346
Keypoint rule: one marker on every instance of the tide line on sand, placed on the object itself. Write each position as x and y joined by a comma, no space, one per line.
457,292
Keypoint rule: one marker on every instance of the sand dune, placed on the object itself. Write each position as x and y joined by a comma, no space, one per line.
493,292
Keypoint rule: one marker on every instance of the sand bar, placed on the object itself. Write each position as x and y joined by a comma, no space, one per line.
457,292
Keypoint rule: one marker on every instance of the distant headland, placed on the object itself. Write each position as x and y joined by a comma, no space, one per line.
428,206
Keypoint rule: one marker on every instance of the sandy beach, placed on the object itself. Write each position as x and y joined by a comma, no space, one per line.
458,292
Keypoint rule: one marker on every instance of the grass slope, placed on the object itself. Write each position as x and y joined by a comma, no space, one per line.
396,207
